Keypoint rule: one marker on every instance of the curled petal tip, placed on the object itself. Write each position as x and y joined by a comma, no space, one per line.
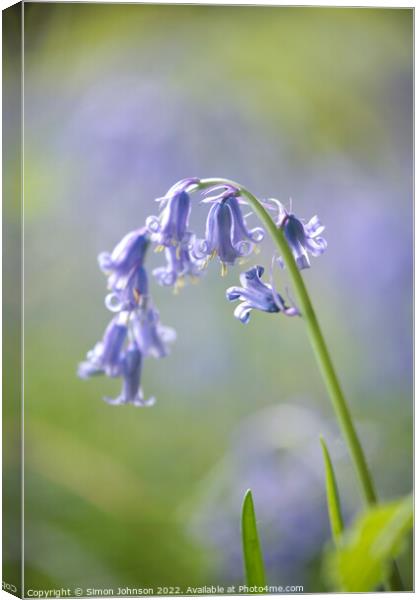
256,295
141,403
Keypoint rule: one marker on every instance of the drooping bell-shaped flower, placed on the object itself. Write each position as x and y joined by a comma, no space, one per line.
226,233
255,294
152,338
179,263
105,357
131,368
127,254
240,230
134,294
170,228
304,238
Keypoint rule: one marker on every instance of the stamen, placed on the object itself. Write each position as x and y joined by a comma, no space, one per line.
179,284
204,264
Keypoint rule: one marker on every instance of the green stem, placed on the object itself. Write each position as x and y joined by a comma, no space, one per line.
319,346
316,338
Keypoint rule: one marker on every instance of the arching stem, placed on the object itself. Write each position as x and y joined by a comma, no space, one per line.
319,346
316,338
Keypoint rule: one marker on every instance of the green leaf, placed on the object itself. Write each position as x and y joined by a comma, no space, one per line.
333,499
253,560
363,558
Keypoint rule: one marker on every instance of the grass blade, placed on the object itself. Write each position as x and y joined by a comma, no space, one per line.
333,500
253,560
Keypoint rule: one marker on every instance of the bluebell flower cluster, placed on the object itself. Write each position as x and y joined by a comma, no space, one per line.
135,331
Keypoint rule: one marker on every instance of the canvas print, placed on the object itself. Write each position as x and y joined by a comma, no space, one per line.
207,305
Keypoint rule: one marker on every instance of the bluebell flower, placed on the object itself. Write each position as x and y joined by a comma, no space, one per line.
240,230
105,357
304,238
131,367
126,256
226,233
179,263
170,228
152,338
134,294
255,294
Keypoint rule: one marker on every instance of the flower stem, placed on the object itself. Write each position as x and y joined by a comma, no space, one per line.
328,372
317,341
320,349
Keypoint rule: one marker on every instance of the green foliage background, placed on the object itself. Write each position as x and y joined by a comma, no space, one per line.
122,100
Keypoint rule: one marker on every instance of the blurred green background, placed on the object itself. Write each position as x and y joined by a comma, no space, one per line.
120,102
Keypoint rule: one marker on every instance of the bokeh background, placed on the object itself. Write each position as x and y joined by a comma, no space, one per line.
120,102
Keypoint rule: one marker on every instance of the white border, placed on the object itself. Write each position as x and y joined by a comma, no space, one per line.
320,3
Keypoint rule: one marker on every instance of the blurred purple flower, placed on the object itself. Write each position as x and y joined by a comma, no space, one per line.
137,320
131,367
105,357
134,293
179,263
255,294
151,336
147,338
128,254
274,453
